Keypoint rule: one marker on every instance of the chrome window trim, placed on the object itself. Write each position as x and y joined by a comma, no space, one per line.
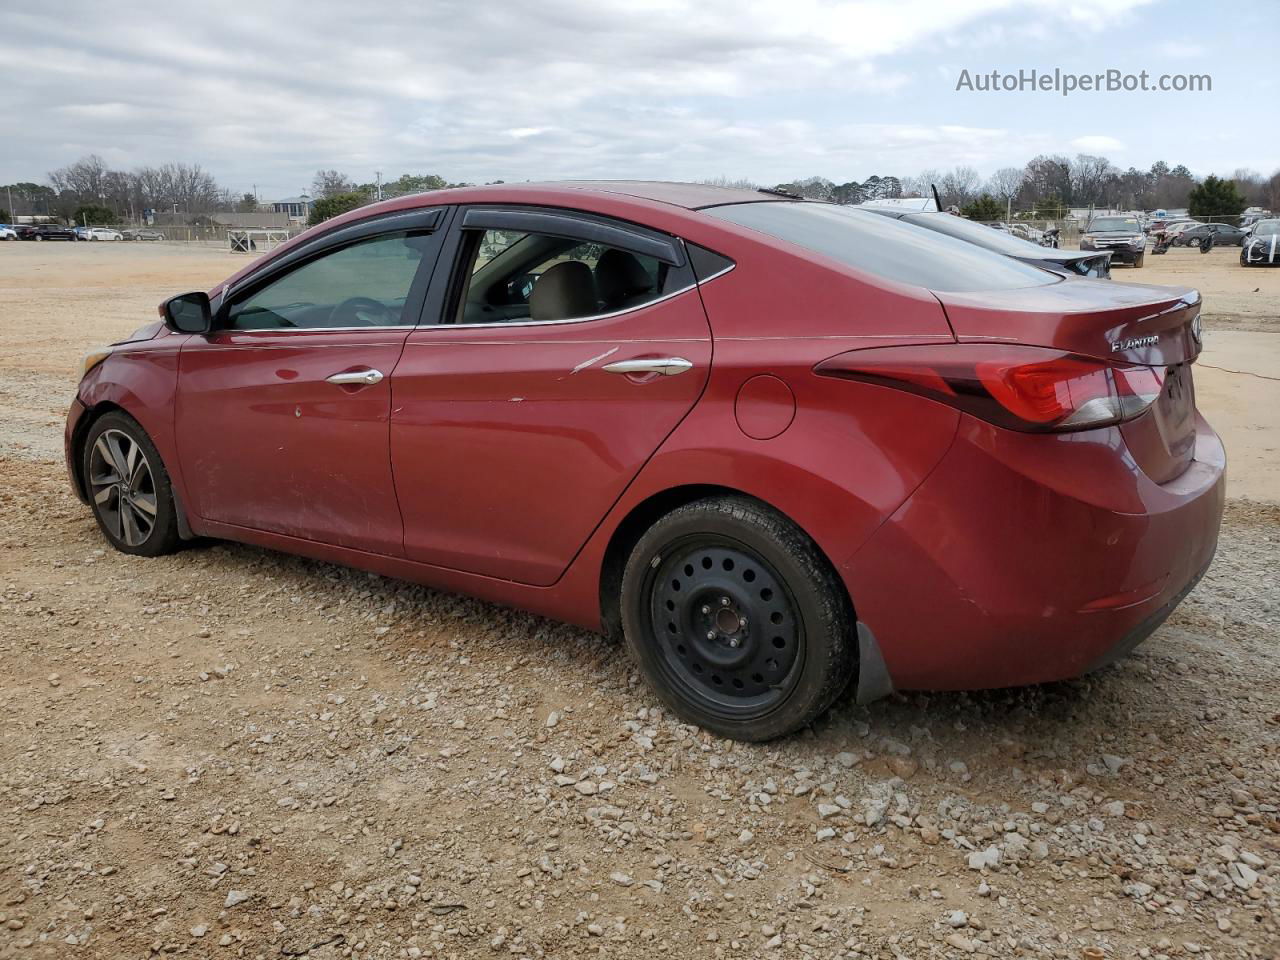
274,330
719,273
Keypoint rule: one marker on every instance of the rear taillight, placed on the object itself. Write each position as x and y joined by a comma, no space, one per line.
1033,389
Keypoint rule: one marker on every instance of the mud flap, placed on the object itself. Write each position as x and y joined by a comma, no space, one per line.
874,681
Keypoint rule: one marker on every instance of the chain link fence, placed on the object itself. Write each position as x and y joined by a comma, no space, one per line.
209,235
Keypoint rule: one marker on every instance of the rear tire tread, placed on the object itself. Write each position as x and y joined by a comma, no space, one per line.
830,637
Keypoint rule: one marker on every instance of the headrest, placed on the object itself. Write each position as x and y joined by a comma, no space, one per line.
564,291
619,276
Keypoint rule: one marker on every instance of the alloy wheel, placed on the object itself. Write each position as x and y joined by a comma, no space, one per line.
726,625
123,487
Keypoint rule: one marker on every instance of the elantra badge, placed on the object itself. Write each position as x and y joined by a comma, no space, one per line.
1132,343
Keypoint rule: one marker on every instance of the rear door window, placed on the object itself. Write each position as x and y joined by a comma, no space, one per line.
887,248
529,277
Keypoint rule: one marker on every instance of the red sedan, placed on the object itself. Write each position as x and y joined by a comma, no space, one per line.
776,445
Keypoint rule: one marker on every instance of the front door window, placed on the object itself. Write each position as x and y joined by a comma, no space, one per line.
364,284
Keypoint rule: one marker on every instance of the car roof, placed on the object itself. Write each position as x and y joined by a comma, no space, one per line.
690,196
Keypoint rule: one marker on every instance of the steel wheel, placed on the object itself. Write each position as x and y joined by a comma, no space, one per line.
727,628
123,487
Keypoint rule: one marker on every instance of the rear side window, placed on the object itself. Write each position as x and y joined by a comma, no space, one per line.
520,277
885,247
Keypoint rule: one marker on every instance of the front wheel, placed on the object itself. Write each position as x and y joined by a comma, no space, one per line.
1137,261
129,488
737,620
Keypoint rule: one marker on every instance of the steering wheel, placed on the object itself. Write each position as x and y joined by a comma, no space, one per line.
361,312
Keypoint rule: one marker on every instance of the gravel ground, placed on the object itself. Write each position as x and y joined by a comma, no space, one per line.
235,753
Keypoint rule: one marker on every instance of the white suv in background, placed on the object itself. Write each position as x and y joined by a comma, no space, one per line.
104,233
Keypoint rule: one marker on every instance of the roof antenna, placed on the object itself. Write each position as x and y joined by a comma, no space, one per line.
936,202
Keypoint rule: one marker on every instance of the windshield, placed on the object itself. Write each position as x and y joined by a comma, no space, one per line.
1118,224
885,247
977,233
1267,228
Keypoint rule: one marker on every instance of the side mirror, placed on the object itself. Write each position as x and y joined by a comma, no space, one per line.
188,313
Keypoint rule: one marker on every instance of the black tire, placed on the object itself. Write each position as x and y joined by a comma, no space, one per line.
1137,261
793,649
121,499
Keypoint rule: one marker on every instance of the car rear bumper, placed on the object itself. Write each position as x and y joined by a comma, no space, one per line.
1025,559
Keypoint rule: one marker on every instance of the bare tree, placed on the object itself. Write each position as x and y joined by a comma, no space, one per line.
739,184
1090,178
1252,185
180,187
1046,177
1005,183
330,183
959,186
921,185
85,179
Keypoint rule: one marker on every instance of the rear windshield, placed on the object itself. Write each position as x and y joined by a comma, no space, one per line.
885,247
983,236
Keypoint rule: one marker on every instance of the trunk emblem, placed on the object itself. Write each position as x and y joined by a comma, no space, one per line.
1132,343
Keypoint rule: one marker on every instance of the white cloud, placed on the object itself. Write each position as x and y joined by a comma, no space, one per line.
1174,48
269,92
1097,144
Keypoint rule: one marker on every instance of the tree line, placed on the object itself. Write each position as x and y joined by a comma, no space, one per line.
90,190
1045,188
1049,185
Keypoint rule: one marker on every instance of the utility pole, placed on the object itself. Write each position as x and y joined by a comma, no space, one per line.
378,174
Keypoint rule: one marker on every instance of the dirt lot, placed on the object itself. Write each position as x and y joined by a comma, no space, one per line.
234,753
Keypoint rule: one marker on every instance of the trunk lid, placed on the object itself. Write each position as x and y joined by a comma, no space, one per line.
1121,323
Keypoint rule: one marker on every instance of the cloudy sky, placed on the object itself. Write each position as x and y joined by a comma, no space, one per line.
267,92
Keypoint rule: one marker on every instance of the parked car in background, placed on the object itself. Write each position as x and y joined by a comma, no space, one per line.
54,231
1165,227
907,459
144,233
1122,237
1174,227
25,231
1074,262
7,232
1262,247
1224,235
1027,232
82,233
104,233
